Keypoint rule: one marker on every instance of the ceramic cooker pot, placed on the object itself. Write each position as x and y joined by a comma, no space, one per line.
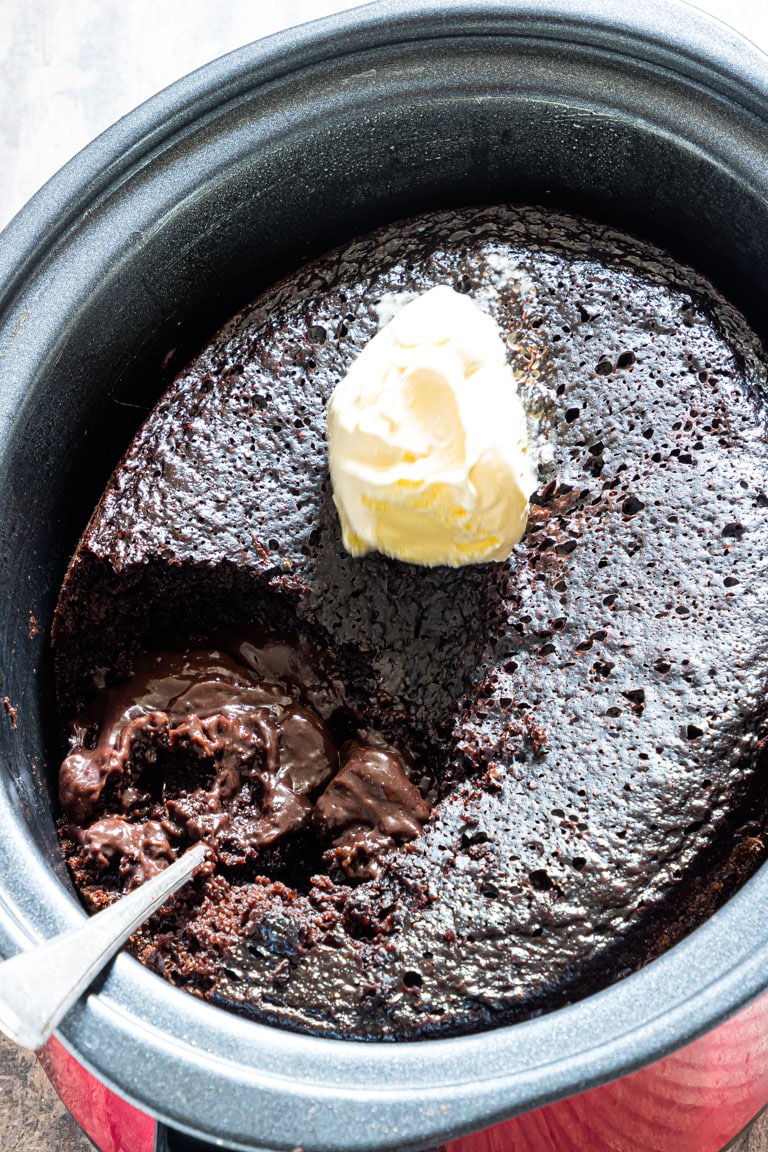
653,119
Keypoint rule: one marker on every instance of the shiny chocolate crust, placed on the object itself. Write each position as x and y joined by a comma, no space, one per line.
590,714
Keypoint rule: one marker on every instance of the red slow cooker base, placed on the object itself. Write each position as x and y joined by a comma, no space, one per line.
696,1100
112,1123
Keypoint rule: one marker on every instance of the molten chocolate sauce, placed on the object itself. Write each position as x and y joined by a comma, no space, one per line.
218,745
368,808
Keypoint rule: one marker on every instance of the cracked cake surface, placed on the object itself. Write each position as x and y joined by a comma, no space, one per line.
585,720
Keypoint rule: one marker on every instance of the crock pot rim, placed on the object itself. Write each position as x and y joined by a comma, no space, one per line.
678,30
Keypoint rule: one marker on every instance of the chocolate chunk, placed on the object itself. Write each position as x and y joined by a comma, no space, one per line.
143,850
374,805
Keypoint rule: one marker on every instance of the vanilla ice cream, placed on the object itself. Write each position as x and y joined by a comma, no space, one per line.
427,439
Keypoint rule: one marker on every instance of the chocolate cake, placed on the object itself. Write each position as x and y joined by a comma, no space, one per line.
438,800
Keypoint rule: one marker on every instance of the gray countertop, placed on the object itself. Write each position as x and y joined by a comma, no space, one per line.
68,71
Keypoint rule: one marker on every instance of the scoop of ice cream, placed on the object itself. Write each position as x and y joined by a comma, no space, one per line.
427,439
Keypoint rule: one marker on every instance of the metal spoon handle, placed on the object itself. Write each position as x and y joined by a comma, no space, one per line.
38,987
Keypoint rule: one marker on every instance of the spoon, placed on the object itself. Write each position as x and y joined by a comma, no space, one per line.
38,987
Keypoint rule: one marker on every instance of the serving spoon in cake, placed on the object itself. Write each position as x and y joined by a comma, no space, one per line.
39,986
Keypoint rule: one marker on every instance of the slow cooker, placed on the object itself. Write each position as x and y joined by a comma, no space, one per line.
655,120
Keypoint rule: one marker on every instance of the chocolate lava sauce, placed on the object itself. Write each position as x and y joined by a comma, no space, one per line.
231,746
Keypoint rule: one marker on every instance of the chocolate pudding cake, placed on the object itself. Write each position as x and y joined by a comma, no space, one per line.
437,800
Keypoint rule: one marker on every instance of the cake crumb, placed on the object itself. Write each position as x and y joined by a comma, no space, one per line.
11,711
34,627
262,551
